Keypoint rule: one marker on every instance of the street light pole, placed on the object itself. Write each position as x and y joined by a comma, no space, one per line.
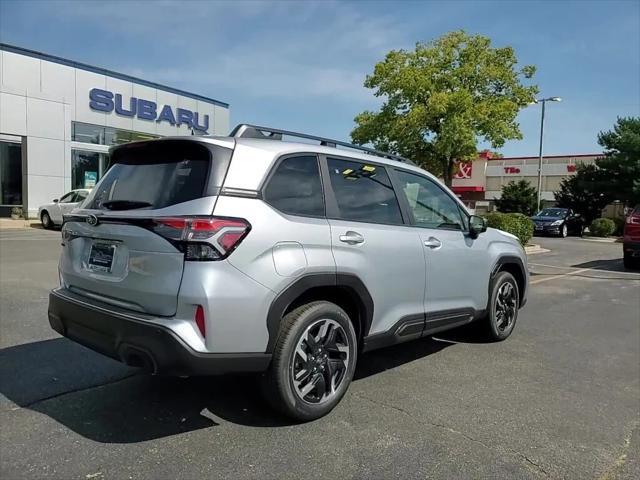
543,101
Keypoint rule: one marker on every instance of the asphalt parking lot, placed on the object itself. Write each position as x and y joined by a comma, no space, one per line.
559,399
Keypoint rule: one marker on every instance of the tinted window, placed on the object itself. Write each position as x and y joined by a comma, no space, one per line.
161,173
363,192
431,206
295,187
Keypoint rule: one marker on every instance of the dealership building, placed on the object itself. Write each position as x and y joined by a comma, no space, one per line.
59,117
480,182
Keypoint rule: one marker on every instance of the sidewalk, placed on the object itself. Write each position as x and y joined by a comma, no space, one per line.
8,223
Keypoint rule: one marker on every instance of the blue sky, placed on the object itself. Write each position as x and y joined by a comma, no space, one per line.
301,65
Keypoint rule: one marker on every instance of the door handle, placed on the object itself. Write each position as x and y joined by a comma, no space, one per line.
352,238
432,242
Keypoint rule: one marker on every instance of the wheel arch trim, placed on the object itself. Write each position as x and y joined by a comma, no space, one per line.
310,281
510,260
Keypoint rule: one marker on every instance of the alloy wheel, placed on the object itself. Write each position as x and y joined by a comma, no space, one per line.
320,361
506,307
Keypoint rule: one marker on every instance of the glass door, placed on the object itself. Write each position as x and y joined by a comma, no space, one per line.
87,168
10,177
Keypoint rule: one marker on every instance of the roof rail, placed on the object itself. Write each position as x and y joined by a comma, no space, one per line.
253,131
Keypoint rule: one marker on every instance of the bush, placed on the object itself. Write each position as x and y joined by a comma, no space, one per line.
602,227
514,223
619,226
517,197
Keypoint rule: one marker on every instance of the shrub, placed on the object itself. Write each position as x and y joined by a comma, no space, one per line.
602,227
514,223
517,197
619,226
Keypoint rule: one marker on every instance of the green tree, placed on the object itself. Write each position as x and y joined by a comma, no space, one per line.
518,197
621,162
444,96
585,192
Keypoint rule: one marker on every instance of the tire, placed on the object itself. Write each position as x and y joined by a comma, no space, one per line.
502,283
300,332
46,220
564,231
630,262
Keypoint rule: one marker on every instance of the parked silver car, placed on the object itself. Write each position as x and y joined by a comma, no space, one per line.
247,253
51,214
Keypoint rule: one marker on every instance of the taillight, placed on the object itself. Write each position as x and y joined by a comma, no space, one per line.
200,323
633,220
203,238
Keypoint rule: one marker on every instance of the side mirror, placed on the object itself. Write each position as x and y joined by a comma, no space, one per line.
55,200
477,225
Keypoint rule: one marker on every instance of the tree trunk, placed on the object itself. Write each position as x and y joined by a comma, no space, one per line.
447,174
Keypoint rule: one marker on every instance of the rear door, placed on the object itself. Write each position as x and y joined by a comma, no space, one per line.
370,240
118,246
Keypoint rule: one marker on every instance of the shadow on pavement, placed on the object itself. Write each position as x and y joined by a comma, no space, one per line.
112,403
613,265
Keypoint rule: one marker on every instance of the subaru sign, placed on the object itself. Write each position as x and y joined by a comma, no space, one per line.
106,101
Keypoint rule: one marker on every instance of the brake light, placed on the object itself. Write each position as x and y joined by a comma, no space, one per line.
200,320
203,238
633,219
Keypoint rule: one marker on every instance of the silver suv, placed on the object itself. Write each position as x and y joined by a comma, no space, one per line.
247,253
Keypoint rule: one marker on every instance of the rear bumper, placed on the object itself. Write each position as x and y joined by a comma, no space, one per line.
135,342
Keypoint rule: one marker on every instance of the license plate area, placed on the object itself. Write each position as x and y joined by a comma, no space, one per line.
101,257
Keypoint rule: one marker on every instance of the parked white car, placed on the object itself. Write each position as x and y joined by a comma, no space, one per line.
51,214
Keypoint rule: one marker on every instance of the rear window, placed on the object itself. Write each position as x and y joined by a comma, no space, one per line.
160,174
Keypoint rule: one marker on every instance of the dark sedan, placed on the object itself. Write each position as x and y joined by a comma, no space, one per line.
558,221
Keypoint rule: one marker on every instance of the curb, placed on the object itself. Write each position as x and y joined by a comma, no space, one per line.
532,249
603,239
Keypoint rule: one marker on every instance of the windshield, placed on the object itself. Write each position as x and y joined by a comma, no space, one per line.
552,212
156,175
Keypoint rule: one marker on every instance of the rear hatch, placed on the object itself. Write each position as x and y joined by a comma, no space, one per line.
123,245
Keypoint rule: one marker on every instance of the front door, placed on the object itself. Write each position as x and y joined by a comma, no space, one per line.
370,240
457,265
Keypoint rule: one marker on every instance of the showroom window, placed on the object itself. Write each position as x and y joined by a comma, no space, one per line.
87,168
96,134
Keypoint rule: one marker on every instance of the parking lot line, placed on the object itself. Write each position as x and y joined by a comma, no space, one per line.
562,275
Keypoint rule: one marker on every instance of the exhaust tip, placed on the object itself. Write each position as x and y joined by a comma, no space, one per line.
137,358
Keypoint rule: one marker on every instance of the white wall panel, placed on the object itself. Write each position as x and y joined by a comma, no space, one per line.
164,128
43,189
21,72
147,93
85,81
221,121
46,156
58,81
13,114
189,104
205,108
45,119
125,89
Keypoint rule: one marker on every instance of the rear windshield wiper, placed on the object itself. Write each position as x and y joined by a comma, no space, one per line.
125,204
